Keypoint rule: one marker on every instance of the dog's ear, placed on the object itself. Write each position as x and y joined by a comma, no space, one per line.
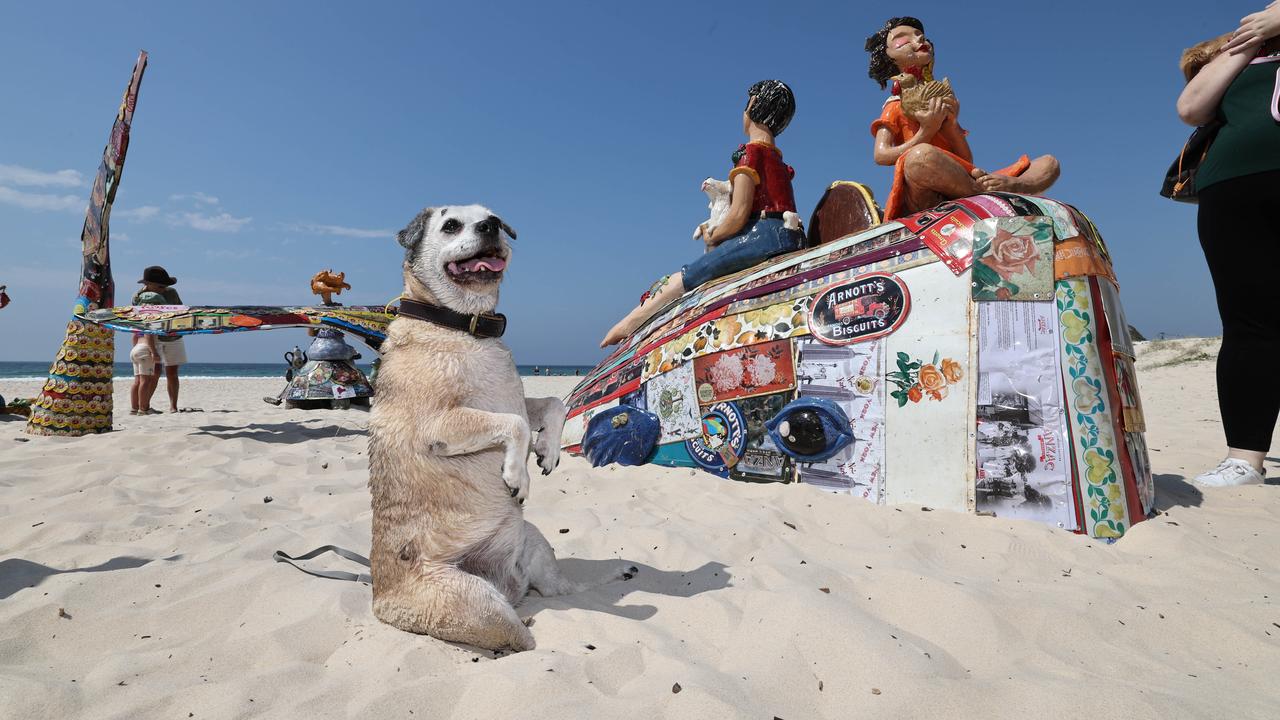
412,235
507,229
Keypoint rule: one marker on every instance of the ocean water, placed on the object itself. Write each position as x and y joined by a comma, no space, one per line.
39,370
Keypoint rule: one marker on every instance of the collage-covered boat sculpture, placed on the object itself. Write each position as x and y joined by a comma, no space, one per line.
973,357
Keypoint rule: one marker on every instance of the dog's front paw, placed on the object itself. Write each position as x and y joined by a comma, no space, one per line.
547,414
548,455
516,477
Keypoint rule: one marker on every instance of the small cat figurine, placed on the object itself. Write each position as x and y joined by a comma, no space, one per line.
718,193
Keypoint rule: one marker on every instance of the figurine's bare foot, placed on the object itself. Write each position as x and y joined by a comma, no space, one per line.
664,291
620,331
1003,183
1039,176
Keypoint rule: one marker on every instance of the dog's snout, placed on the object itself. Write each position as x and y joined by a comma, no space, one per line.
488,226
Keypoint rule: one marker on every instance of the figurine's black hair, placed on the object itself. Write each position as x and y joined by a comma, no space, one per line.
774,105
882,68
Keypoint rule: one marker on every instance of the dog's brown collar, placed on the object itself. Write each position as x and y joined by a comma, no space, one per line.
484,325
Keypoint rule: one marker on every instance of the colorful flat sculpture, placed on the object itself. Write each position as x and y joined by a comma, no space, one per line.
369,323
977,351
329,376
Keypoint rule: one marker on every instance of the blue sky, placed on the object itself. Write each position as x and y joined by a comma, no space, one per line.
273,140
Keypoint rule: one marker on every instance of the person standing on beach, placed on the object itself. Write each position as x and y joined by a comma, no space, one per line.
1237,83
172,351
144,359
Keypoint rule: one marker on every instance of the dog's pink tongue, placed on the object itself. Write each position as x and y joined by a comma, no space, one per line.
491,264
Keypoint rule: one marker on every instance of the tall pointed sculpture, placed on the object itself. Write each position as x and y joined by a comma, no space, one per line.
76,399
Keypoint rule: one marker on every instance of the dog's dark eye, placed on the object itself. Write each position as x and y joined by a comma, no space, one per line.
810,429
451,226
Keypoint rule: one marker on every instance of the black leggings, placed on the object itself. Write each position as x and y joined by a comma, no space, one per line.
1241,243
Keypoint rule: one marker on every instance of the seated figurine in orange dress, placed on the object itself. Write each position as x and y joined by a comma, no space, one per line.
924,141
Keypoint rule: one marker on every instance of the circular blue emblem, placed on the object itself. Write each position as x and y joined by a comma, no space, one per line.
723,440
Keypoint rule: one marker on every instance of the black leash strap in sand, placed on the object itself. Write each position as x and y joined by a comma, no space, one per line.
279,556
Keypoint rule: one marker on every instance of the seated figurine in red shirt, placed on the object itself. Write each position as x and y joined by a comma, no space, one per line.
754,229
926,145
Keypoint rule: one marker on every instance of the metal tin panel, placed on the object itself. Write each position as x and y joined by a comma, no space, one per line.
928,415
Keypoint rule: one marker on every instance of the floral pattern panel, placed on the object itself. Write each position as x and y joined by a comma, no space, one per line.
782,320
758,369
1064,225
1098,470
1013,258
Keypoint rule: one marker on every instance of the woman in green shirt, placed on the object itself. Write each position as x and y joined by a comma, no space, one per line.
173,351
1238,185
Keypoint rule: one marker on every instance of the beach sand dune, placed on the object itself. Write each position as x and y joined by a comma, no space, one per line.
136,581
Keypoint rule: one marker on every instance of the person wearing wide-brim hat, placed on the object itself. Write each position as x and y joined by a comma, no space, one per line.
173,351
158,276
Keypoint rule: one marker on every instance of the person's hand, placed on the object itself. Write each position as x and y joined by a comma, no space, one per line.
1255,29
952,104
931,117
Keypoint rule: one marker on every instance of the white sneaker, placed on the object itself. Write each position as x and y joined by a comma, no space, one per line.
1232,471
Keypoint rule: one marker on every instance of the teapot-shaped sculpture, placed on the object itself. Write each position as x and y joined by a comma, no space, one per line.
326,375
296,358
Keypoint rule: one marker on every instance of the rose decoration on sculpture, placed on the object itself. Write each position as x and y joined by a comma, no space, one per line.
932,382
1013,259
1011,254
951,370
915,379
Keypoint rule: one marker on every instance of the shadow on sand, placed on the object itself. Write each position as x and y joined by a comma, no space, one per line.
1174,491
285,432
17,574
606,598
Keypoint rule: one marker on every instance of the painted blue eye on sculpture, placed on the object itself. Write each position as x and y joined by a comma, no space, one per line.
810,429
622,434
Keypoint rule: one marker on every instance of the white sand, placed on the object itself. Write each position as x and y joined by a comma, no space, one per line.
156,542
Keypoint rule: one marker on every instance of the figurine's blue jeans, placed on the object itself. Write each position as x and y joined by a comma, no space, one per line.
762,239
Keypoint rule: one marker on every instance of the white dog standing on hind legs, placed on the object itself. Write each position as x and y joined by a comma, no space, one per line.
449,441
